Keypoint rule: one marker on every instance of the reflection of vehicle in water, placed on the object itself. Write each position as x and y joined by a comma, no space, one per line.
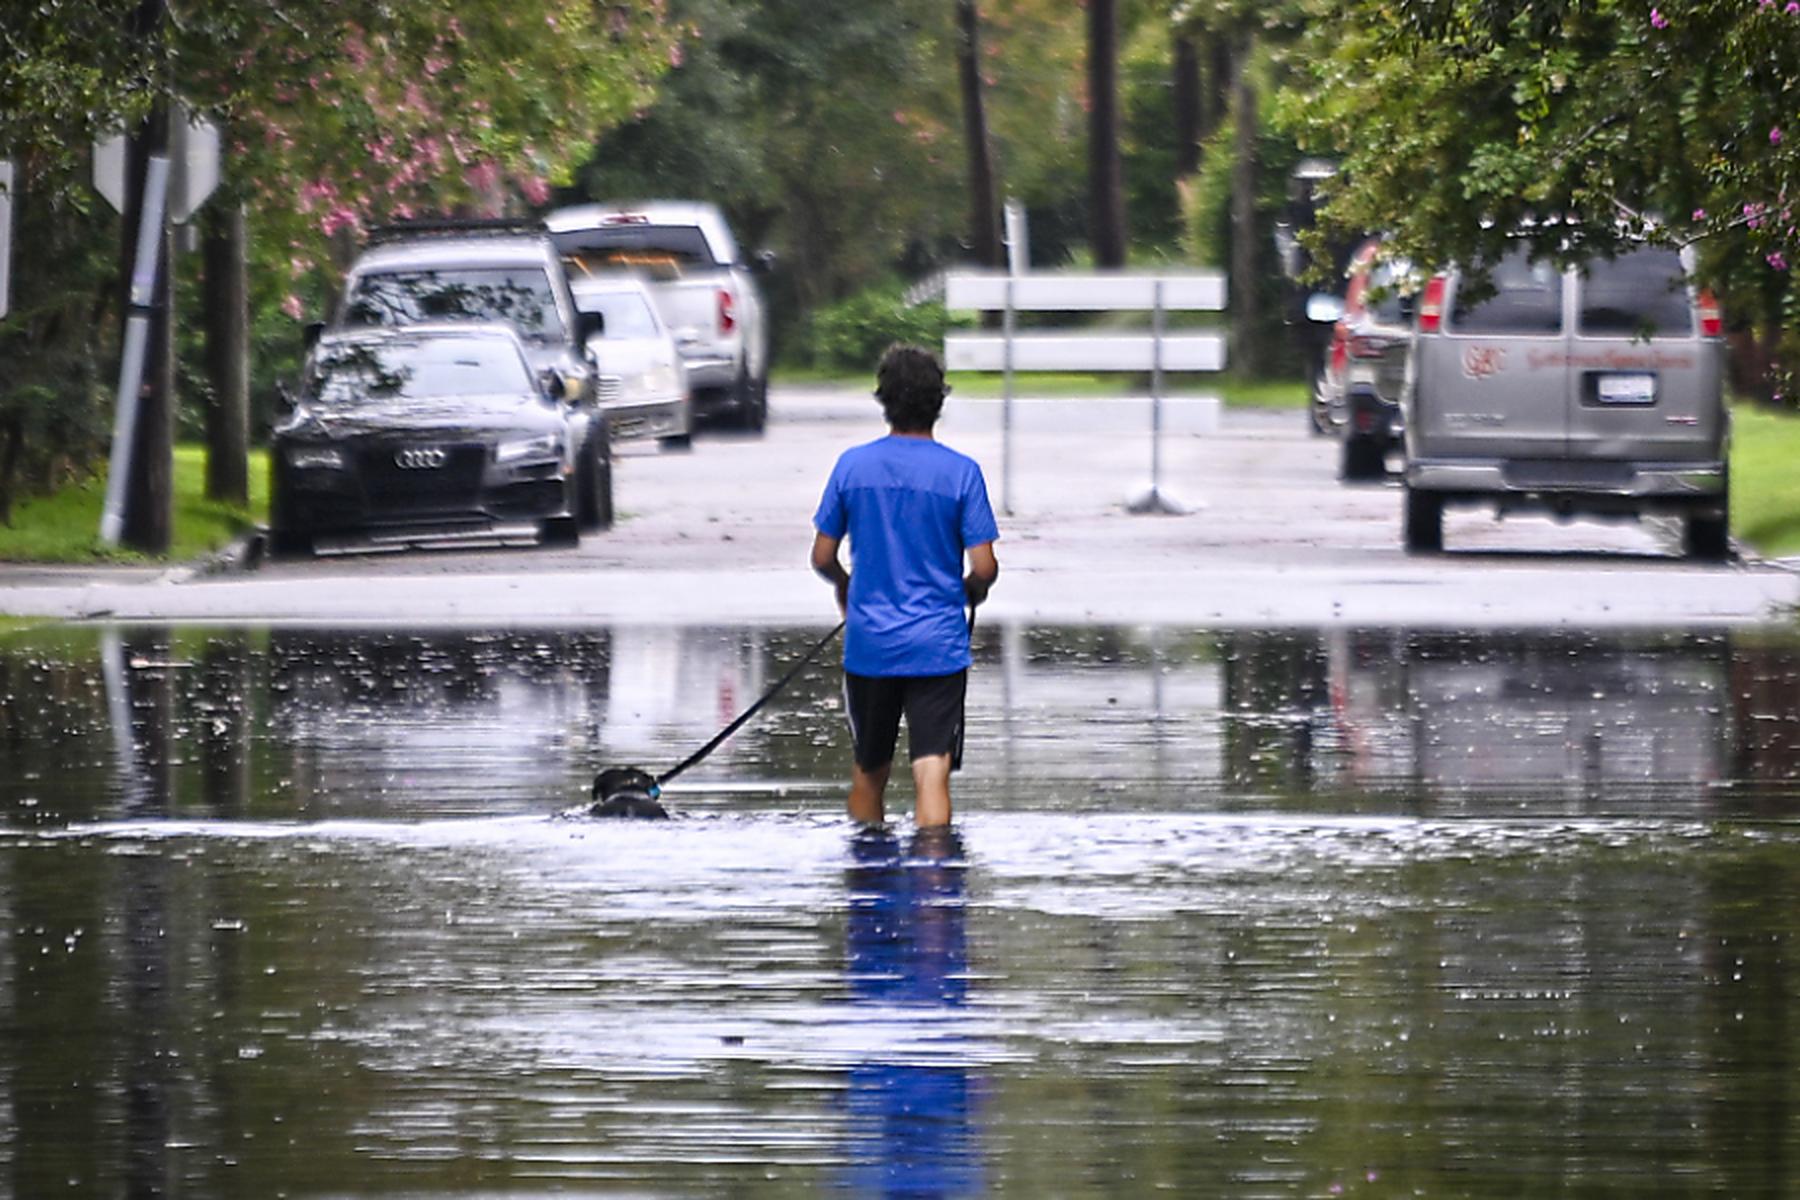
464,722
1567,715
674,687
1508,715
912,1114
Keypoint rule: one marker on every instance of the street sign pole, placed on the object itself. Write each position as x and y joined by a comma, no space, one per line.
140,305
6,223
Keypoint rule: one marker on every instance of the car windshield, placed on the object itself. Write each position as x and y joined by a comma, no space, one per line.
518,295
1640,294
627,314
352,373
1523,295
632,246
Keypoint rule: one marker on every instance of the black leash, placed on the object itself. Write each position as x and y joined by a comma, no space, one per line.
962,718
702,752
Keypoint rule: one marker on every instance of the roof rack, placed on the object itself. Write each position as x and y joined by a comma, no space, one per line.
398,231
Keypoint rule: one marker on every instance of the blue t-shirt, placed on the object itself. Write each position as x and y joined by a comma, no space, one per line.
910,507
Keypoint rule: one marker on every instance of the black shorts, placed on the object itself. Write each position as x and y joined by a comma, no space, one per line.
933,705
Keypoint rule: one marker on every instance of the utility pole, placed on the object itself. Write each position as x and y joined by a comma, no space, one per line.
227,354
1106,169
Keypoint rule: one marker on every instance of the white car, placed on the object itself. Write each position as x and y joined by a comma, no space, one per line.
642,383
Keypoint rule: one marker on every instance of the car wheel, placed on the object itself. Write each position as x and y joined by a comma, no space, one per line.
1424,522
752,403
600,461
290,543
1363,458
560,531
1706,532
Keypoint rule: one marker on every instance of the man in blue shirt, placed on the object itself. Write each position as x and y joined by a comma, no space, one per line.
911,508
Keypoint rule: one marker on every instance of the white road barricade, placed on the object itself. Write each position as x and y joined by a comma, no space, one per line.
1156,351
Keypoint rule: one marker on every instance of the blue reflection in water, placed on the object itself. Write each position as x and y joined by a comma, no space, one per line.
912,1123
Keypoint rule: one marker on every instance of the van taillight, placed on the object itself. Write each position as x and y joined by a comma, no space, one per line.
727,312
1712,322
1431,304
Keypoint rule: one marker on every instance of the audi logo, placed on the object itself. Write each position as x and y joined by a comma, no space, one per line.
424,458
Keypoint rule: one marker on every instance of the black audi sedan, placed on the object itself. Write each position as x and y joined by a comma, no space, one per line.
426,432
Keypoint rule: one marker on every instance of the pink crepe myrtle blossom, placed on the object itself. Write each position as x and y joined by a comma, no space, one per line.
292,307
1777,260
1657,20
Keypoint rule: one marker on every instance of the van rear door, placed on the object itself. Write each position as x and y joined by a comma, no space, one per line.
1643,384
1498,382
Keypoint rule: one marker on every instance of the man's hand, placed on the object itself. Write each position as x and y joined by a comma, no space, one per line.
825,563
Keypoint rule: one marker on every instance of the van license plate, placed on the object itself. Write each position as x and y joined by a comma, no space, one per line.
1626,389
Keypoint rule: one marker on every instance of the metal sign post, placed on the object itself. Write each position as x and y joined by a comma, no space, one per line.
1156,500
6,223
137,338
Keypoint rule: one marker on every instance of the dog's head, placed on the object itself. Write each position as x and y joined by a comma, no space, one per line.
615,780
626,792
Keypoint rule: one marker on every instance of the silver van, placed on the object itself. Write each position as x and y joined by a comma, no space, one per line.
1596,391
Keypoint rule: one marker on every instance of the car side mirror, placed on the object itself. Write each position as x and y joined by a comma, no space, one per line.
284,397
1324,308
590,325
309,336
550,383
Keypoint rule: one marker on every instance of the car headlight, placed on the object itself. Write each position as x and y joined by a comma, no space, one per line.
659,380
314,458
547,446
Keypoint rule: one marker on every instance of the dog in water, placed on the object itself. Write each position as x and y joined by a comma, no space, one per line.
626,792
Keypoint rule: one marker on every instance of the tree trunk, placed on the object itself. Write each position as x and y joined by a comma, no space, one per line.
1246,349
12,440
984,206
1186,93
1215,94
227,355
1106,171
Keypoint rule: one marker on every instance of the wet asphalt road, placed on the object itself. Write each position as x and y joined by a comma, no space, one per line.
720,534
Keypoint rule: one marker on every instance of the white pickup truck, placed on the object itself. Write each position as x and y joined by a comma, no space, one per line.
704,288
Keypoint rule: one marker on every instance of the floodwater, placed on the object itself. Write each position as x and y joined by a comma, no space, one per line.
1301,913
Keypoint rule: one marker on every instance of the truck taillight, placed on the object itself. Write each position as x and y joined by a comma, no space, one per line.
1712,321
727,312
1431,304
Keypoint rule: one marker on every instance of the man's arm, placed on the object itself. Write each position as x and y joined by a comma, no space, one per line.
825,563
984,568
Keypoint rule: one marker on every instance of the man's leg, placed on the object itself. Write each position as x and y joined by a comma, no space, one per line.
873,706
931,785
866,791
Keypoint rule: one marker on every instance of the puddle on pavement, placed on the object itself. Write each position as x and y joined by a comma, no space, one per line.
1246,914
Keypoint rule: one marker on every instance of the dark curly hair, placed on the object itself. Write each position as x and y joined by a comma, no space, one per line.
910,385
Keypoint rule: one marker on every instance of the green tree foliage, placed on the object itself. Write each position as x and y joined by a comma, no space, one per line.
1579,124
338,114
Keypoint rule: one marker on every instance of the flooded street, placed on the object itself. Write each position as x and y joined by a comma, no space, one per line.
1305,913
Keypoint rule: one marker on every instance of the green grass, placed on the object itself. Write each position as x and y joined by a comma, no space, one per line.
1765,487
1234,391
65,527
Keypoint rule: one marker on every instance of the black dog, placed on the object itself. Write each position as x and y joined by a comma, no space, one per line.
626,792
